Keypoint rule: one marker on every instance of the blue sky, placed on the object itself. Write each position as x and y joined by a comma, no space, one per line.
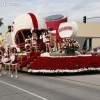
73,9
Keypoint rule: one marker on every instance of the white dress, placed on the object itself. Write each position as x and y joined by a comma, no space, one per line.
14,59
27,47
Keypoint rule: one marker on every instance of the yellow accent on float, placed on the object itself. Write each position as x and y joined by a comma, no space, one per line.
3,38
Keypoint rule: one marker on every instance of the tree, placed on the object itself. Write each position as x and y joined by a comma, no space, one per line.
1,23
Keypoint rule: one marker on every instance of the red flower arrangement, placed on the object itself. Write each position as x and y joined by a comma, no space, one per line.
70,45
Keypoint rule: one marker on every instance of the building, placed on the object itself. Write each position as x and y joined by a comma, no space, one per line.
88,34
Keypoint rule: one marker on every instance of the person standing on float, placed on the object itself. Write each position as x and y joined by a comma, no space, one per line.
44,40
42,44
28,48
29,40
47,43
34,41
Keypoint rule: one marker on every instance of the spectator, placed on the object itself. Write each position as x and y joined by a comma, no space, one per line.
95,52
88,51
83,51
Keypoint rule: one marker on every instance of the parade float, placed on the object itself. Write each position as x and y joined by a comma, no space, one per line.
70,60
21,28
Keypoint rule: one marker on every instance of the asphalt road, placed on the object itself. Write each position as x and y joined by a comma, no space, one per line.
50,87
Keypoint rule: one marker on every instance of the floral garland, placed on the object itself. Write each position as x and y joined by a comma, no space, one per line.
65,64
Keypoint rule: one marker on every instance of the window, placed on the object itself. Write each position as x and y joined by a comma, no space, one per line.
87,43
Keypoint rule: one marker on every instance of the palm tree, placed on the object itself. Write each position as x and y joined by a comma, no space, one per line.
1,23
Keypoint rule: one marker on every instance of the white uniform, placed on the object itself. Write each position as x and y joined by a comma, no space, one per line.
6,59
27,47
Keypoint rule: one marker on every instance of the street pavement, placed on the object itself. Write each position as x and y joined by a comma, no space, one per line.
83,86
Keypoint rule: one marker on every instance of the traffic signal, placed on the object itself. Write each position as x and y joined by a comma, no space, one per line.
84,19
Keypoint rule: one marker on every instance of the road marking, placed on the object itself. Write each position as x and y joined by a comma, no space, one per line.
78,81
24,90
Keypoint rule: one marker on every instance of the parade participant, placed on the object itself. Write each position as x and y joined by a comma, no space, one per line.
0,62
58,45
29,39
0,45
47,43
42,42
9,53
8,48
6,60
14,62
2,48
28,48
34,41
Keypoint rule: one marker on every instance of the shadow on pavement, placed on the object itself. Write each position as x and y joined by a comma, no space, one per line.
64,73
